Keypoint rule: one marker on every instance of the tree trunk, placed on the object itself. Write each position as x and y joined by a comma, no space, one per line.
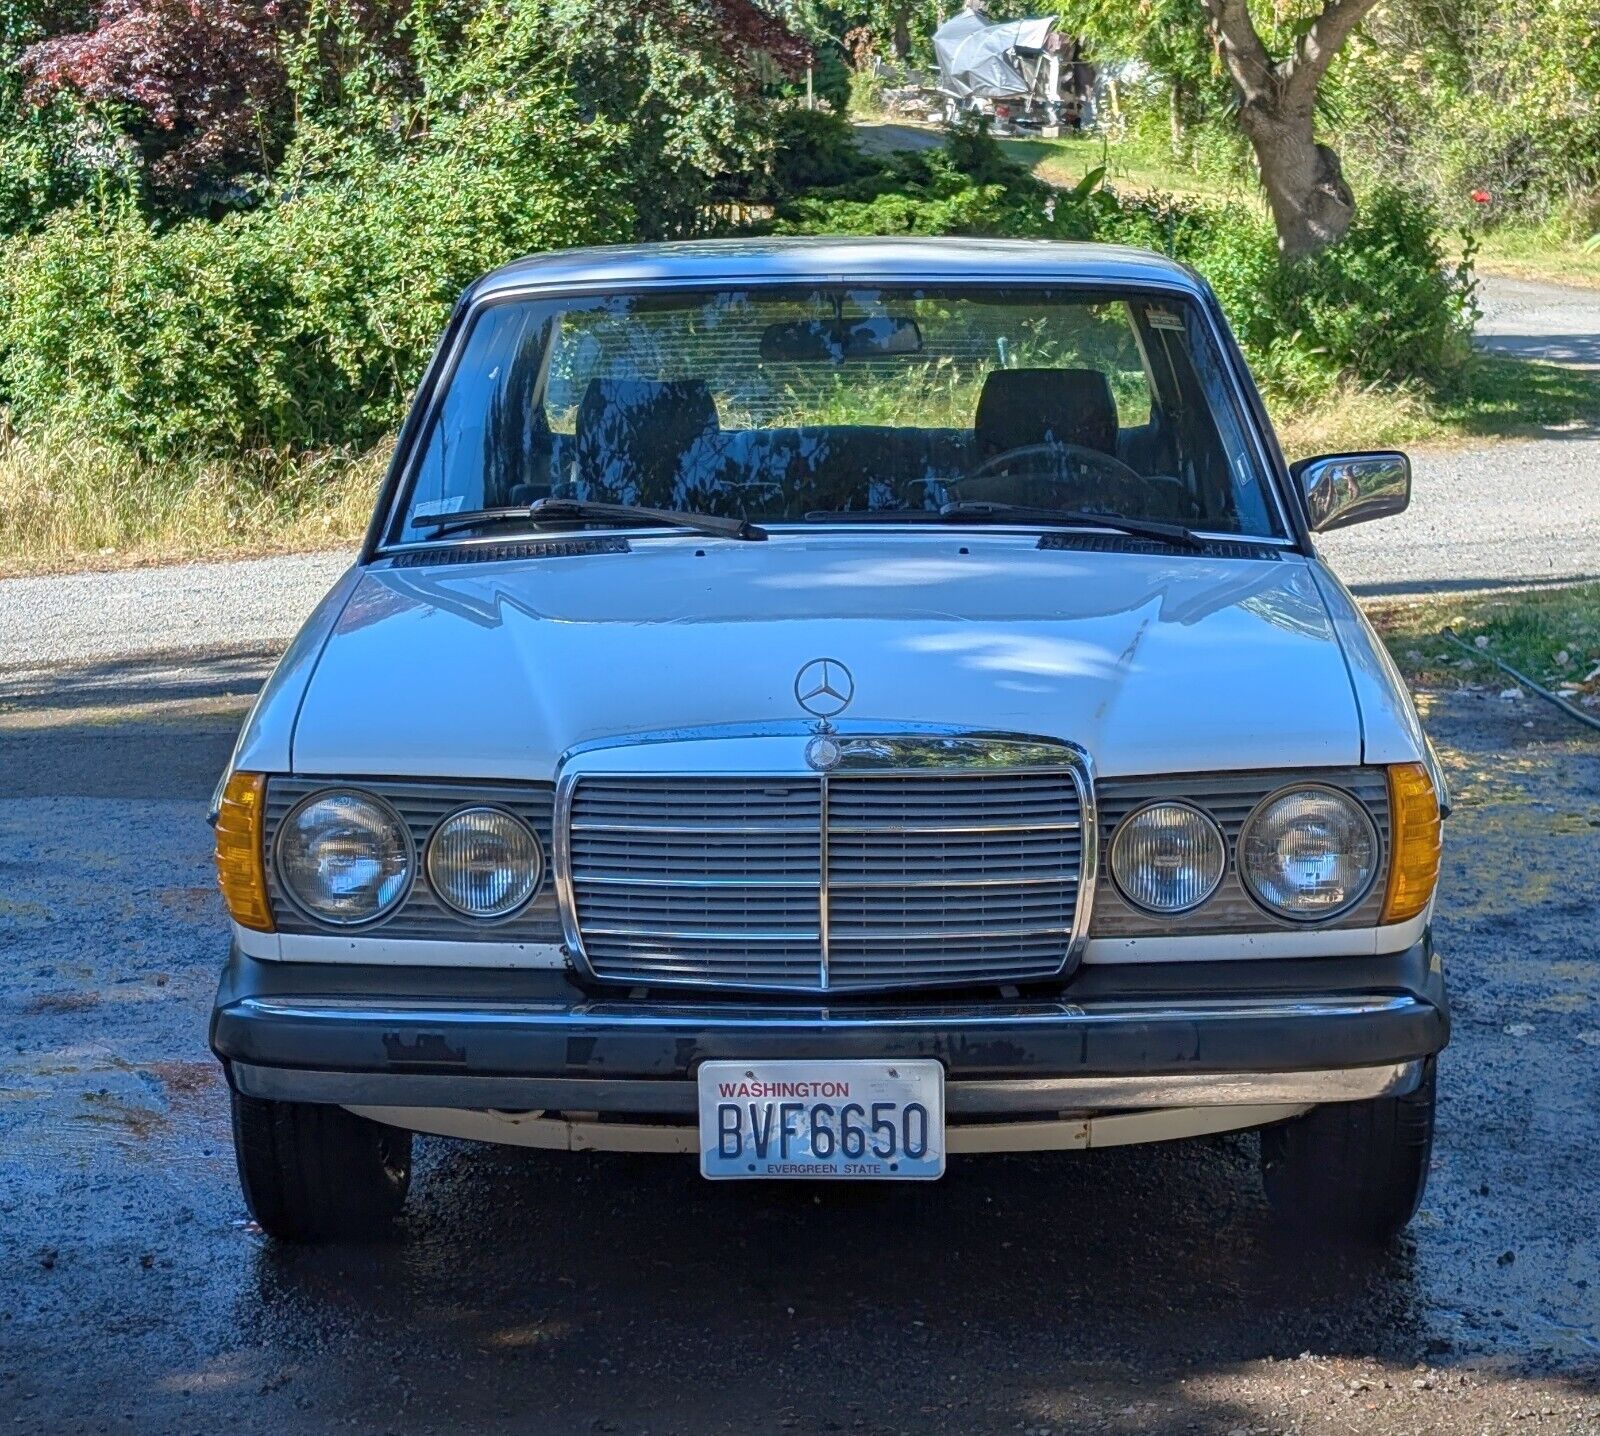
902,34
1311,204
1175,117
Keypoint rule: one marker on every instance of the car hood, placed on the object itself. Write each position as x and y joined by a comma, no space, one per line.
1152,662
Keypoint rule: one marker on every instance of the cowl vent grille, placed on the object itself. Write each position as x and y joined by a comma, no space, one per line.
1128,543
499,552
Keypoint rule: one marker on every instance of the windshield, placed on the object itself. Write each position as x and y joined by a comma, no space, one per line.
791,405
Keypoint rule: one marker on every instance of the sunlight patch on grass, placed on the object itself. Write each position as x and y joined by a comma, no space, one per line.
1546,252
1550,634
1136,169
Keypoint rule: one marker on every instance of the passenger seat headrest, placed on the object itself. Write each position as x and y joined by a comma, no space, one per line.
1023,407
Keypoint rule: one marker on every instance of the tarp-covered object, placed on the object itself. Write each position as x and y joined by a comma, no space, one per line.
978,60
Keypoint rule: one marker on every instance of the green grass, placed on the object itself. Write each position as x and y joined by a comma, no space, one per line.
1547,251
1551,634
1130,166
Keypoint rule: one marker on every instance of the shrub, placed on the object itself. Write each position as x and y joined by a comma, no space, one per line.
812,149
302,324
1382,303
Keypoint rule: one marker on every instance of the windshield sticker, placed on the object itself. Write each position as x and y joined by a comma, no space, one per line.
1165,319
427,508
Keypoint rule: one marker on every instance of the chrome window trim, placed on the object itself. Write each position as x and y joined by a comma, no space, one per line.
868,749
1197,294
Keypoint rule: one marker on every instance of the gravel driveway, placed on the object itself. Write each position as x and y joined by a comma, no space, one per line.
1130,1290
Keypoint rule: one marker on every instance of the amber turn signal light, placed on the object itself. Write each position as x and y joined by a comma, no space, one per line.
1414,847
241,868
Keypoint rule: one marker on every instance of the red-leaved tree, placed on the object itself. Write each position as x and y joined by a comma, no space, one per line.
201,84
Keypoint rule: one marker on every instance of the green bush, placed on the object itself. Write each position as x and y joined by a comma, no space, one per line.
1382,302
302,324
813,149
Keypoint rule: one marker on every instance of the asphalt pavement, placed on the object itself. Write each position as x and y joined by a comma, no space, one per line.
1126,1290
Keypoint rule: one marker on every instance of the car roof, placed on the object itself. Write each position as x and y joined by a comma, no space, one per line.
887,260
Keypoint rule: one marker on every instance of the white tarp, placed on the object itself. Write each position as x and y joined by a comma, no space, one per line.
979,60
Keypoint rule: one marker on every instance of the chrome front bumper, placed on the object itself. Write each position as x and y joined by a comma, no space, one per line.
1198,1035
639,1097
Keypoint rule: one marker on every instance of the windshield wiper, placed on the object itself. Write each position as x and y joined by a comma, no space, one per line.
1072,518
578,511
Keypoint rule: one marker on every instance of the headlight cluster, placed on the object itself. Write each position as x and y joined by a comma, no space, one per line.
1305,853
346,857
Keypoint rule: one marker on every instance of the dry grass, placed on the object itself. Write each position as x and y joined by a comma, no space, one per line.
69,502
1499,398
1547,252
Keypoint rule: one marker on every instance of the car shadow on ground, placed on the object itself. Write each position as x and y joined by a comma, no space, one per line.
1017,1291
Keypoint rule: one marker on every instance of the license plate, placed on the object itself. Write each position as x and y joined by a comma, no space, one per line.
828,1120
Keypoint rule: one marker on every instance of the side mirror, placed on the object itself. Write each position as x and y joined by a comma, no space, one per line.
1343,489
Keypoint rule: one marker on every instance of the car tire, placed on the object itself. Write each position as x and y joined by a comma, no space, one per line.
318,1173
1352,1171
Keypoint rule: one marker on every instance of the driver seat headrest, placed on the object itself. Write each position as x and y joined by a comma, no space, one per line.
1019,408
633,436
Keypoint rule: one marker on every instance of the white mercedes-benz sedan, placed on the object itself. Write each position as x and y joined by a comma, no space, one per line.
825,709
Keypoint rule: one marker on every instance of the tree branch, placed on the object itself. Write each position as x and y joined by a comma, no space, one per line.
1314,51
1248,63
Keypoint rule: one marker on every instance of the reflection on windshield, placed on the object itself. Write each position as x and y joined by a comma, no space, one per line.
777,405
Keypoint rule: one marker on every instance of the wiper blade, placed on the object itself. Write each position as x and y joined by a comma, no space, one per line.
1175,534
578,511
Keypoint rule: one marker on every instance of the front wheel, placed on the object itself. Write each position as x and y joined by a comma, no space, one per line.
1352,1170
315,1173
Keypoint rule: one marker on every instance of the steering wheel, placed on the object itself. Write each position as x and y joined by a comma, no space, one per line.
991,467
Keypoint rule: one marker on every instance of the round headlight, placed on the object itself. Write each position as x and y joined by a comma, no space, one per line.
483,862
1308,853
1167,857
345,857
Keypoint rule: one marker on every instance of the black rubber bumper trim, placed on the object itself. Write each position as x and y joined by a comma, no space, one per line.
319,1019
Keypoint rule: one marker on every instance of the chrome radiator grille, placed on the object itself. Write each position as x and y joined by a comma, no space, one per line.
852,880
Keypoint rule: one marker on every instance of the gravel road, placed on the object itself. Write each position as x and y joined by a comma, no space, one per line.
1534,320
1128,1290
